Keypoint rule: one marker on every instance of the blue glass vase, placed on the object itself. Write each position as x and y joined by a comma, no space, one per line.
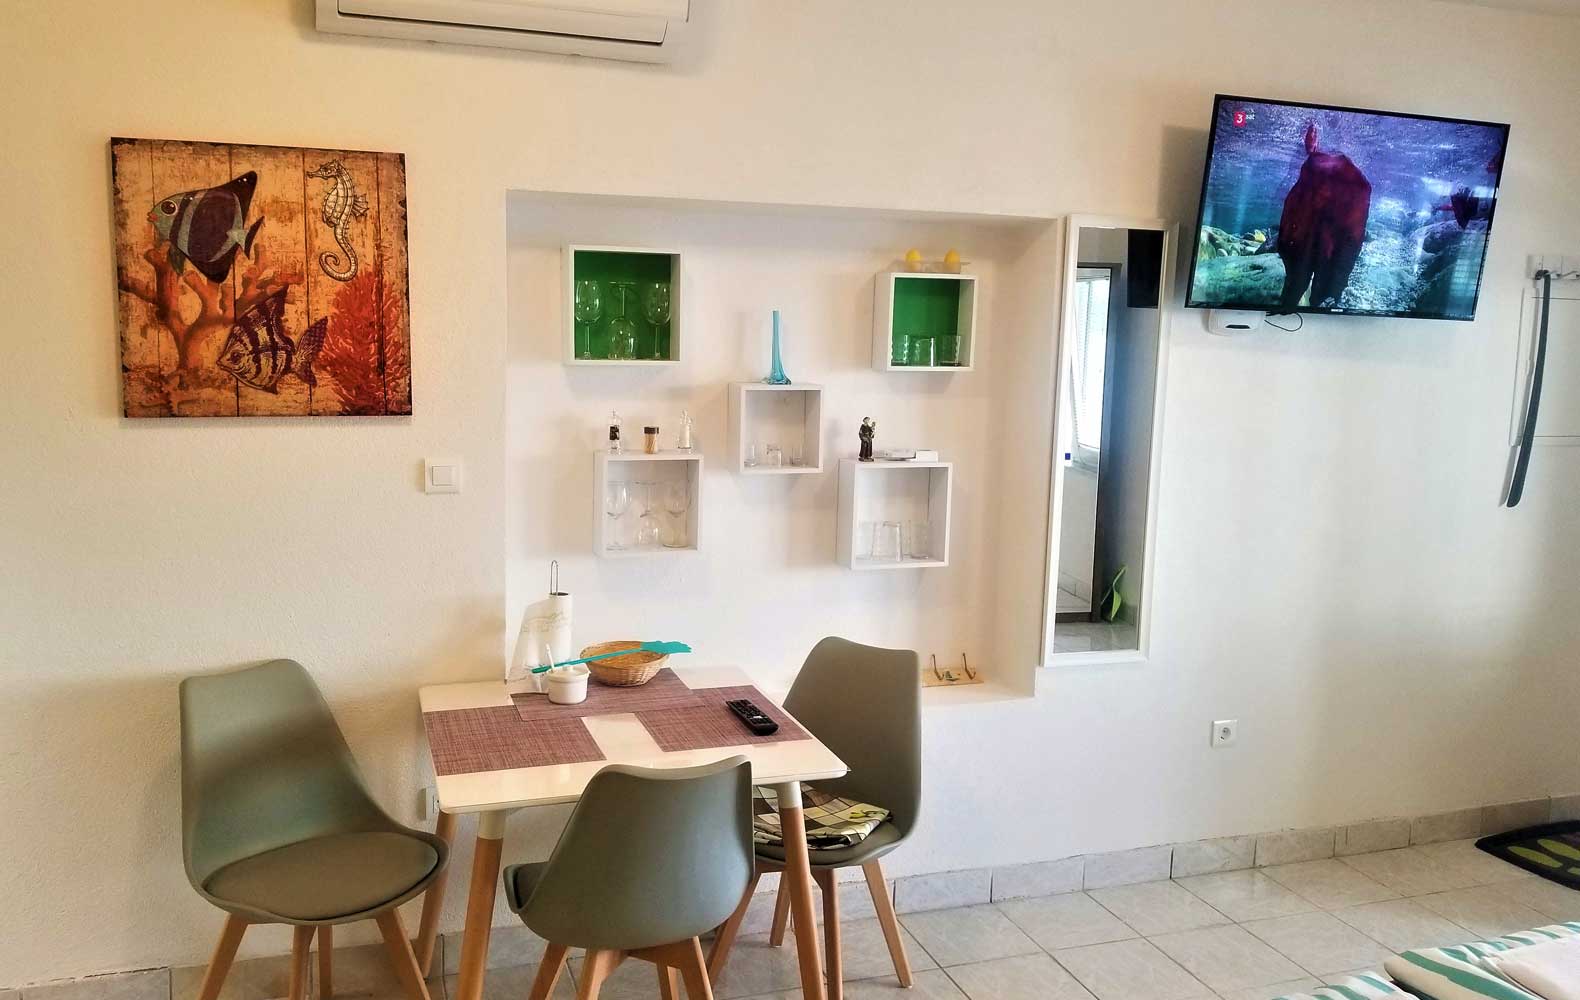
777,376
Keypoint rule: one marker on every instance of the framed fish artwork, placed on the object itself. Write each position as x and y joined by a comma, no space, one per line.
261,281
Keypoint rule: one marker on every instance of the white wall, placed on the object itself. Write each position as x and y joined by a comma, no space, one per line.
1331,568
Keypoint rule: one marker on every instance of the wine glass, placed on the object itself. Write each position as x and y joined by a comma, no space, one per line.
677,500
589,306
616,501
655,306
622,330
648,529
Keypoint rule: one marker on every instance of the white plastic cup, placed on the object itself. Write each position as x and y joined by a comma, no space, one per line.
568,685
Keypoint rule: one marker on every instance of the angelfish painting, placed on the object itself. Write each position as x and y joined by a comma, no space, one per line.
260,281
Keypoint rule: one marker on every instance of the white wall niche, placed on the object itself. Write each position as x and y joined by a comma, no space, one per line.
789,416
904,492
615,538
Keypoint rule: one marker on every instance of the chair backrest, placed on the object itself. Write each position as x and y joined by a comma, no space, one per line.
263,764
649,857
864,703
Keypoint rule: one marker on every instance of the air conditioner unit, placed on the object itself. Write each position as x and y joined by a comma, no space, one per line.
635,30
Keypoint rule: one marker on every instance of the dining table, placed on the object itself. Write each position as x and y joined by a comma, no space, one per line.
495,753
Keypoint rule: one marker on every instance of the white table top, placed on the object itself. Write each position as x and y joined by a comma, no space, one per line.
623,740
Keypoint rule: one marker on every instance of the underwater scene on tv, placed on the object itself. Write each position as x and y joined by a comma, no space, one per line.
1334,210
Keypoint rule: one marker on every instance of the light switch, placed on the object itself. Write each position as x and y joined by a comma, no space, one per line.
441,475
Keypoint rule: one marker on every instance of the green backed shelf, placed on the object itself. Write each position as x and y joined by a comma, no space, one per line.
638,266
909,304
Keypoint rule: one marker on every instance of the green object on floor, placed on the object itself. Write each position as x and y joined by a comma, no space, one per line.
1549,850
647,647
1112,599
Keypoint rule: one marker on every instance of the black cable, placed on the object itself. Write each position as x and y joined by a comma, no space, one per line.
1522,464
1300,322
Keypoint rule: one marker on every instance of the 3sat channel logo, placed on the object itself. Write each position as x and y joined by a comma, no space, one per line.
1240,118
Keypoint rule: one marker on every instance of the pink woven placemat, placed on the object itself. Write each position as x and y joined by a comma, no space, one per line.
710,724
664,691
497,739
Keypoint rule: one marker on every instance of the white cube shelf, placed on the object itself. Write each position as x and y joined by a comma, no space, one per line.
923,302
904,492
606,264
785,415
640,467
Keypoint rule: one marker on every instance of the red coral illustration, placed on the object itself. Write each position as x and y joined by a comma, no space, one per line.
364,352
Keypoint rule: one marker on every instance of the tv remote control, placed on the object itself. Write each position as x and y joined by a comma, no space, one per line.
753,717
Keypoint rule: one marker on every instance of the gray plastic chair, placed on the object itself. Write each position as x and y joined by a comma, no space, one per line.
650,860
863,703
278,827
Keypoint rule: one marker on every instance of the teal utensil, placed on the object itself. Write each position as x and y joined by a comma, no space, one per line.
647,647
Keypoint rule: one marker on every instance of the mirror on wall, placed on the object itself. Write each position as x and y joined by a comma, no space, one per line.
1110,362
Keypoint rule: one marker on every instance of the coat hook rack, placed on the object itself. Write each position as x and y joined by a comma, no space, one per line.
935,676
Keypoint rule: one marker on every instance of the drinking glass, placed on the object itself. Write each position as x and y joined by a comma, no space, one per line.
902,349
918,540
751,456
648,529
948,348
616,501
773,457
589,307
677,500
922,352
797,457
655,306
622,329
886,542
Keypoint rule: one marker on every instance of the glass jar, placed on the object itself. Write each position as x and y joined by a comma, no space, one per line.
650,440
948,350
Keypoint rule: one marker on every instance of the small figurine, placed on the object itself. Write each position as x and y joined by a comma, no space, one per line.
683,438
866,431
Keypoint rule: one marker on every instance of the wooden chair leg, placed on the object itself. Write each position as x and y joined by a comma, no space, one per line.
549,970
694,970
224,955
401,955
832,961
326,952
433,899
884,904
600,963
668,985
301,946
724,940
776,932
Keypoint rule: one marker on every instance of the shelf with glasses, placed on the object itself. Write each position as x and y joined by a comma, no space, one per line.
788,418
621,305
894,515
924,322
646,505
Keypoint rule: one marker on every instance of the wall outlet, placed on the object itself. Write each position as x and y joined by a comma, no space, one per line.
1225,732
428,802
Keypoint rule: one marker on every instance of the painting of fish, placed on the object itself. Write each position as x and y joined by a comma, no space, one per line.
259,353
260,281
207,227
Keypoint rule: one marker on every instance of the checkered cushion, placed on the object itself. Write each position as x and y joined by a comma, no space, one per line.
831,822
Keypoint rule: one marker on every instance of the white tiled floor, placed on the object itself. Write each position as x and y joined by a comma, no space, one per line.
1245,935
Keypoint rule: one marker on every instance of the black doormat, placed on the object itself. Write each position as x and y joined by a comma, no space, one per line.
1551,850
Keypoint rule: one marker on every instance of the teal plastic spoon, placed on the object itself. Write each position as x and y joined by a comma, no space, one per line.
646,647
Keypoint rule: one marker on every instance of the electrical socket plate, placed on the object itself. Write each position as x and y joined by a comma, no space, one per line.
428,802
1225,732
1562,266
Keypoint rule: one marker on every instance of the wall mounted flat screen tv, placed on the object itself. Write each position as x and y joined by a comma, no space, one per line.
1310,208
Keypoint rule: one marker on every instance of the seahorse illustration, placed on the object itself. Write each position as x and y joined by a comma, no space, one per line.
342,203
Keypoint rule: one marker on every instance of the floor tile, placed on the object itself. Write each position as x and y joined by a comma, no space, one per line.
250,979
1475,865
1158,907
513,982
1068,921
1401,924
1410,872
943,890
1126,970
970,934
1273,991
931,985
151,984
1320,943
1227,958
1026,977
1484,910
865,953
1245,896
1329,884
1550,899
508,944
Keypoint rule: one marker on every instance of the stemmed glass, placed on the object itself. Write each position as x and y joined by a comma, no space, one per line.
655,305
622,330
677,500
616,501
589,306
648,529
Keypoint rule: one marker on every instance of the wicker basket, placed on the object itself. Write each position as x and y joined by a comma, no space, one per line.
624,671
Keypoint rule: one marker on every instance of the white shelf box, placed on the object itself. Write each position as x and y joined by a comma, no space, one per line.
785,415
911,303
904,492
638,266
616,538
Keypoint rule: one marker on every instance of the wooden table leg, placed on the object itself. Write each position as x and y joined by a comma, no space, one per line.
433,900
480,905
798,881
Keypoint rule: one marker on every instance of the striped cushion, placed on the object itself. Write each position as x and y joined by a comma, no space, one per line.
1462,972
1366,986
